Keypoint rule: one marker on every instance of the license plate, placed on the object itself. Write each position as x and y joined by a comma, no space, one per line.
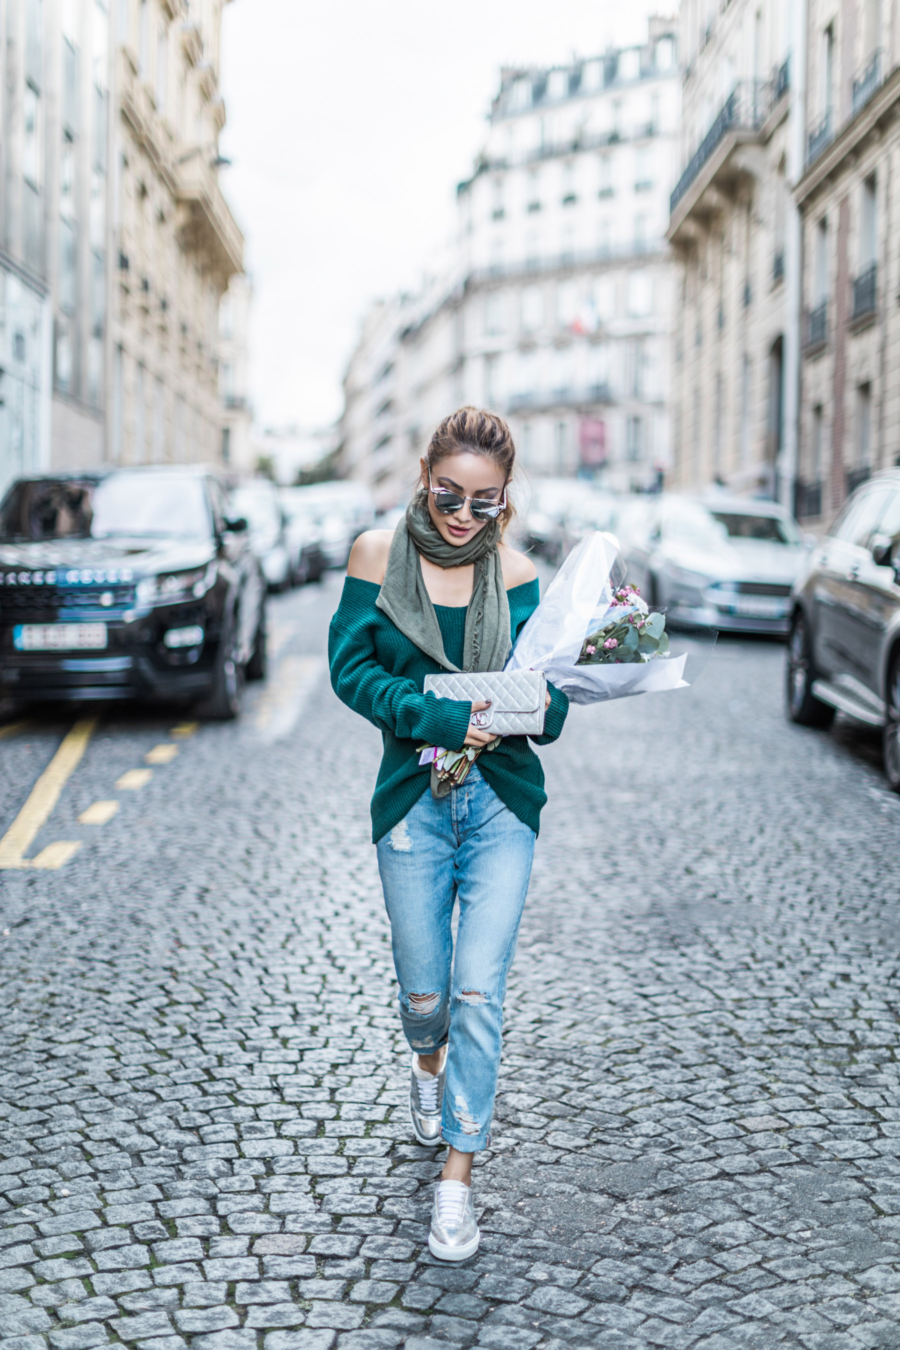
761,607
59,637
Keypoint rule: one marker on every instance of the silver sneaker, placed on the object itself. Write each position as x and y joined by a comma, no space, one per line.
426,1097
454,1233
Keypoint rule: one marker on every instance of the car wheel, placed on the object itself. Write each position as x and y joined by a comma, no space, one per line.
891,733
802,705
259,660
227,691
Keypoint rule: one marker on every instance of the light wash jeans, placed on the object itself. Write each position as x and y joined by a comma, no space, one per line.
468,846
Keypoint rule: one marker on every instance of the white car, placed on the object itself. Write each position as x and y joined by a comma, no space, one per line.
258,503
726,563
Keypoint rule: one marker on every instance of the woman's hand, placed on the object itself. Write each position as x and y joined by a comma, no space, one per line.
474,736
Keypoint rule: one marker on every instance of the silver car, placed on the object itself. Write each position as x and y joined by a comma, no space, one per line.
726,563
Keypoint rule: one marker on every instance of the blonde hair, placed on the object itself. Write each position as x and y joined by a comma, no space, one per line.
480,433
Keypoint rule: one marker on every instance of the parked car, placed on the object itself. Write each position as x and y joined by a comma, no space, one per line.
304,537
133,583
258,503
542,529
844,646
345,509
727,564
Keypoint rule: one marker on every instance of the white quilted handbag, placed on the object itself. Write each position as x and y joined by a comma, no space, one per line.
517,698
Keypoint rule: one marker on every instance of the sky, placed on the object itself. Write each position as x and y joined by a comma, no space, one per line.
350,122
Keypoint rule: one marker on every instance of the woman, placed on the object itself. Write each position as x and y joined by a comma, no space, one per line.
444,592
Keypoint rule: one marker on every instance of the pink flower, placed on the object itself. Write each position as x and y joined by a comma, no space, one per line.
591,650
610,644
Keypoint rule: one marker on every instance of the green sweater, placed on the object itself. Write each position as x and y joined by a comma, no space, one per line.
379,673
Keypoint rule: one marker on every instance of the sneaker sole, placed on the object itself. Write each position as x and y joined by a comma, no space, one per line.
443,1252
426,1143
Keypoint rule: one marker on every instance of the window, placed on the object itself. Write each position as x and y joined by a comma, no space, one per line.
532,308
868,224
162,69
641,233
818,443
144,39
640,294
718,417
862,514
34,43
863,426
569,196
634,439
32,163
226,445
826,90
604,238
494,313
820,279
871,27
566,304
533,195
643,168
63,361
497,199
745,432
665,54
124,20
605,179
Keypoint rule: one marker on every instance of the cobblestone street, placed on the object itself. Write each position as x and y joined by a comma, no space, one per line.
204,1138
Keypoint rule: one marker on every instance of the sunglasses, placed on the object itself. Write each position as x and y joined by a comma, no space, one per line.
482,508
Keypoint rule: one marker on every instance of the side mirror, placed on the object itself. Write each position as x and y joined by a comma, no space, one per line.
882,549
236,524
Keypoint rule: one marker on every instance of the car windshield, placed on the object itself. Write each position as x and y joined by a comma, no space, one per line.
121,504
691,523
770,529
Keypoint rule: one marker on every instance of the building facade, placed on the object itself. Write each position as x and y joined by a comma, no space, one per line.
176,243
848,198
237,454
558,307
116,244
735,229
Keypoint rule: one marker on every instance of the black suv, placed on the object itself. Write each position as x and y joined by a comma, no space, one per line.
844,646
129,583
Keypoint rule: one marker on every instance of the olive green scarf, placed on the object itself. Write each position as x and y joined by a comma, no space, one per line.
406,602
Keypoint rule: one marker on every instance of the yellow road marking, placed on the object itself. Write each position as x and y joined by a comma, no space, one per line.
54,856
134,779
98,813
41,802
13,728
163,753
184,729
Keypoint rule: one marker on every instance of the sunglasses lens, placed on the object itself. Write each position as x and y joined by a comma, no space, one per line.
485,510
448,502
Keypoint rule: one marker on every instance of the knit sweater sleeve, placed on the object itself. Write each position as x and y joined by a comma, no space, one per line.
392,703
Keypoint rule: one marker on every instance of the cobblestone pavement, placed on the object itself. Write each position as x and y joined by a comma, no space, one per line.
203,1133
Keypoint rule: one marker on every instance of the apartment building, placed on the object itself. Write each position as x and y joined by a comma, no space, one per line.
848,200
116,243
558,306
176,242
735,229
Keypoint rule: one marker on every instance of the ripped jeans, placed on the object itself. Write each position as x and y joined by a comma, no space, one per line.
467,846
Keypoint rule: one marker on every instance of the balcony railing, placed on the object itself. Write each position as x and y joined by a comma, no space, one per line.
569,259
865,288
533,399
817,326
745,109
782,80
856,477
820,136
807,499
867,82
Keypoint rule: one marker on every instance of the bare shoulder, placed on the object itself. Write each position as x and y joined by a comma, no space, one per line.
517,567
369,555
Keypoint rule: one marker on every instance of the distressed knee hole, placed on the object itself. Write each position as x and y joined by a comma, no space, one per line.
423,1005
472,997
400,840
423,1045
464,1118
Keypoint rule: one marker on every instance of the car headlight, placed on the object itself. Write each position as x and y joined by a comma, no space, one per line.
685,577
170,587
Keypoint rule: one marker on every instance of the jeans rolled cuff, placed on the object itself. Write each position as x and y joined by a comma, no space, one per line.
465,1143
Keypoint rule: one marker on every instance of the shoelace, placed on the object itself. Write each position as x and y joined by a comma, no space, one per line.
451,1202
428,1095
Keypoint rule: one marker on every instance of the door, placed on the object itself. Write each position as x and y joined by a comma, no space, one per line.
840,591
876,602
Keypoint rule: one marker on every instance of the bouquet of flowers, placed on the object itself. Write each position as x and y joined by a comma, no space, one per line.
594,637
628,633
